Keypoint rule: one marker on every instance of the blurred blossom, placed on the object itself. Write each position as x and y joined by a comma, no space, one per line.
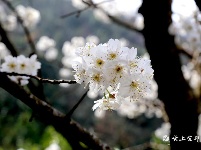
126,9
100,15
191,75
67,61
142,106
68,49
124,42
78,41
29,15
45,43
185,26
3,51
10,23
65,72
53,146
115,7
78,4
46,47
163,130
51,54
158,113
93,39
99,113
139,22
92,95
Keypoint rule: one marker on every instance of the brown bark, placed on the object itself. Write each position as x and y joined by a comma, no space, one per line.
71,130
173,90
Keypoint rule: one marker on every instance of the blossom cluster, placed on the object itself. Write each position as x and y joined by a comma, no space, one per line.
21,65
68,51
47,47
114,8
29,15
187,32
8,21
113,66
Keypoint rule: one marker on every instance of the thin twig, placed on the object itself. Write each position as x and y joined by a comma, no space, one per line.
122,23
69,114
41,79
26,30
77,12
89,4
114,19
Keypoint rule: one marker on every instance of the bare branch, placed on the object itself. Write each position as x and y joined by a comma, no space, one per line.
89,4
26,30
69,114
77,13
7,42
71,130
122,23
114,19
41,79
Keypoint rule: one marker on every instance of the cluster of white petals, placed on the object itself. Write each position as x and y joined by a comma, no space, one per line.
29,15
21,65
187,32
126,10
46,47
112,65
69,56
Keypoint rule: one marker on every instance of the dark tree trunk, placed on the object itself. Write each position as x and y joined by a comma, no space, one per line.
173,90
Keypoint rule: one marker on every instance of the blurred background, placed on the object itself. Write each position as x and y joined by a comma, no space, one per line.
56,36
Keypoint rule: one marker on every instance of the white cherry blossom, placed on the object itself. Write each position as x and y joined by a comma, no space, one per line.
112,66
21,65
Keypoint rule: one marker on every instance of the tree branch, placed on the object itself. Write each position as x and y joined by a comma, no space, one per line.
122,23
112,18
71,130
6,41
117,20
41,79
69,114
173,90
26,30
